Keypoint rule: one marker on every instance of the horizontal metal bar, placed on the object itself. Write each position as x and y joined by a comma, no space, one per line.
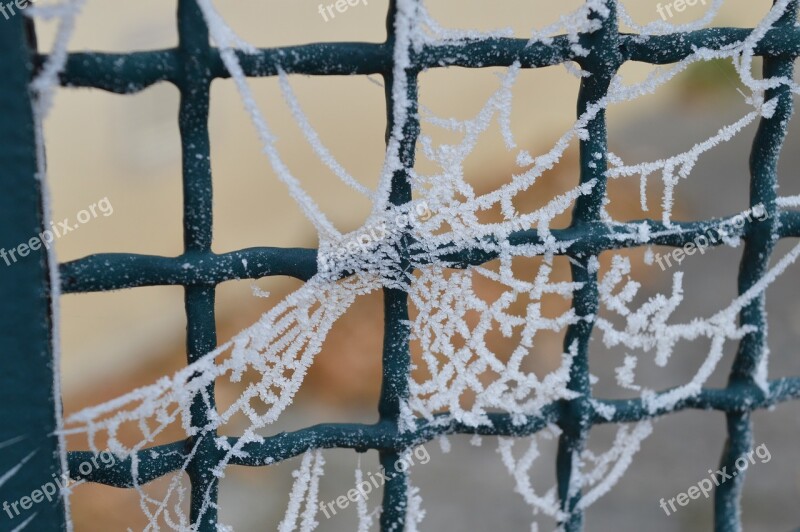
158,461
161,460
132,72
317,59
120,73
661,49
495,52
595,238
30,402
384,436
737,397
153,463
116,271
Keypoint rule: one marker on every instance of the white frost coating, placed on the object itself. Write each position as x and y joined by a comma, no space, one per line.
788,201
309,522
456,323
741,54
258,292
607,411
649,256
305,492
573,24
611,465
431,32
520,468
596,474
661,27
313,138
444,444
625,373
408,35
47,79
364,517
683,163
5,477
280,347
23,525
414,511
43,87
647,330
744,66
456,355
226,40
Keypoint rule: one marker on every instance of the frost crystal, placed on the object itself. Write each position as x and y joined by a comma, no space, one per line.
461,378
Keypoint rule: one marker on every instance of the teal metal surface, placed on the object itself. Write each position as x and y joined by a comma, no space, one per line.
28,447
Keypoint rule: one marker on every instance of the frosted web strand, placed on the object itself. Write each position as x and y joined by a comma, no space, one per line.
414,511
439,35
365,519
662,27
610,467
221,34
46,81
313,138
305,493
683,163
788,201
647,329
520,470
309,521
598,474
261,346
443,304
573,24
744,66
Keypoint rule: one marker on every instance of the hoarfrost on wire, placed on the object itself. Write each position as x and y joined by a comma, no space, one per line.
456,355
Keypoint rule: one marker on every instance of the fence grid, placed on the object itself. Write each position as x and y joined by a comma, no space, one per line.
192,67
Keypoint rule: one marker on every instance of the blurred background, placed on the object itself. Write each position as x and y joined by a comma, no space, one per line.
127,148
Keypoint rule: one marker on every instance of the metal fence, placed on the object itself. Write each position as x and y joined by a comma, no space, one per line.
191,67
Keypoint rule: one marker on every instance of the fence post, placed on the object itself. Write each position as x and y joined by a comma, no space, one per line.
29,449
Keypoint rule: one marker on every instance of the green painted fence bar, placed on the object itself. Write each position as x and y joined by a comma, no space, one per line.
28,447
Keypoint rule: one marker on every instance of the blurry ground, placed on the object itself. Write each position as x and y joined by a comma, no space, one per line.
114,342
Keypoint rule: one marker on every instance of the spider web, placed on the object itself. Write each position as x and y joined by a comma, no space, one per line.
456,353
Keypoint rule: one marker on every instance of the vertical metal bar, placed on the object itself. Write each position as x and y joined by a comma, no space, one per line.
396,367
30,450
760,242
602,62
201,338
396,350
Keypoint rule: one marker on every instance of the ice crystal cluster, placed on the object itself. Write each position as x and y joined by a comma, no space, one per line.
451,321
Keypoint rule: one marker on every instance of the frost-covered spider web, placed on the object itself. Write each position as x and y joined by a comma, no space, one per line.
437,264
